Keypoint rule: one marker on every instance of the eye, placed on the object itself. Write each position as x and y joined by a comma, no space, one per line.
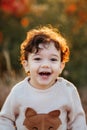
34,128
54,59
51,128
37,59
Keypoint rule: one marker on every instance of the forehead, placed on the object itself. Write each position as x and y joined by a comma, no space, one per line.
45,50
48,48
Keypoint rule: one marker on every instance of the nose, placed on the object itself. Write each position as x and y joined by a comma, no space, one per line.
45,64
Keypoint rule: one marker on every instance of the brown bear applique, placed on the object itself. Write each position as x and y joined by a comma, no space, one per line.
34,121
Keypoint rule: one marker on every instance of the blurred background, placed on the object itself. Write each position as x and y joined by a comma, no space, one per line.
19,16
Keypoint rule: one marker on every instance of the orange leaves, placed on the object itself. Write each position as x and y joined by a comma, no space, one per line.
25,21
83,16
78,11
71,9
15,7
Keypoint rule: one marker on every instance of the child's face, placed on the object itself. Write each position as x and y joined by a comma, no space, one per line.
44,66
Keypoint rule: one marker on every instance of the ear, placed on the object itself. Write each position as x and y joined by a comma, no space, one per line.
30,112
54,113
62,65
25,65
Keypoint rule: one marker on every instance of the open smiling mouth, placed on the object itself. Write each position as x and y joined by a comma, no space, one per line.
44,73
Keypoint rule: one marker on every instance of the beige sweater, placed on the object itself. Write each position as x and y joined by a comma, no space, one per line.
61,96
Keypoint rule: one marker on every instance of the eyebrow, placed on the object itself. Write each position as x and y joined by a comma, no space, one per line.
55,55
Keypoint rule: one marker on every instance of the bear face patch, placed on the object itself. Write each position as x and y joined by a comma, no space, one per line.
34,121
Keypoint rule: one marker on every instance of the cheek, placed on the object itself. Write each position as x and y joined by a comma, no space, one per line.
57,69
56,66
33,67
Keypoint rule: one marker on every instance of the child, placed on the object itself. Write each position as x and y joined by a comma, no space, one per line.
43,56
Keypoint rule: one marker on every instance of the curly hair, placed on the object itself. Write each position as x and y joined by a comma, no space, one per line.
44,35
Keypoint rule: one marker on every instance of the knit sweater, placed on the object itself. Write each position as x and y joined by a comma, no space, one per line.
62,96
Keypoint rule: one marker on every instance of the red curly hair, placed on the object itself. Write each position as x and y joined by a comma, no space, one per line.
44,35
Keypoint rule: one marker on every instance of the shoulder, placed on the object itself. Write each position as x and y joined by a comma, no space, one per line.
68,88
65,82
67,85
21,86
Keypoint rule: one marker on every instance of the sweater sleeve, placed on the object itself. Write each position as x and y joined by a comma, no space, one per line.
8,113
77,120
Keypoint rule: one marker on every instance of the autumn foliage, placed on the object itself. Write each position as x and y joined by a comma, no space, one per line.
78,9
15,7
